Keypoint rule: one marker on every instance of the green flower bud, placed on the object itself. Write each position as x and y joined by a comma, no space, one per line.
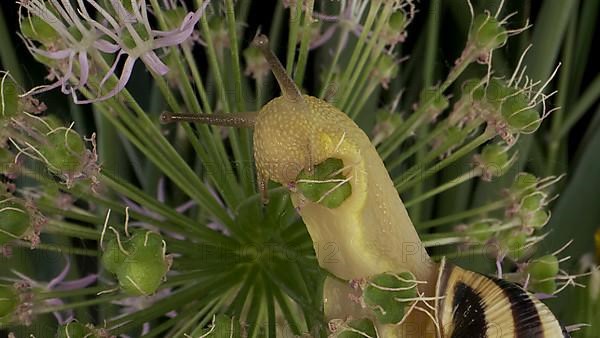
437,101
389,295
224,326
546,286
496,93
543,267
173,17
494,158
397,21
128,39
386,69
524,184
15,220
526,121
480,231
113,257
515,243
65,151
9,99
74,329
537,219
474,89
533,202
37,29
324,184
487,32
9,299
359,328
144,268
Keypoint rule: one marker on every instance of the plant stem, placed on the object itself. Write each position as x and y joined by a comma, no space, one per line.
448,185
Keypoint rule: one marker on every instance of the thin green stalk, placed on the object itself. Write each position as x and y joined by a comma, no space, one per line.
295,16
304,43
493,206
431,47
63,249
356,52
72,230
585,102
396,139
561,101
371,52
232,33
464,150
8,57
448,185
342,41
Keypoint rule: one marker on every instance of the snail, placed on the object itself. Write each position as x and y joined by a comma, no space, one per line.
346,198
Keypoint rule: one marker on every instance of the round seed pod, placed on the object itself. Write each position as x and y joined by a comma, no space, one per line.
8,300
487,32
9,100
479,231
358,328
143,270
173,17
537,219
224,326
313,184
15,220
474,88
389,295
524,184
113,257
37,29
65,151
74,329
437,101
546,286
386,69
494,158
515,243
543,267
533,202
397,21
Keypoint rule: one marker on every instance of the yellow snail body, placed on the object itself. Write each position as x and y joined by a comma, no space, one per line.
368,231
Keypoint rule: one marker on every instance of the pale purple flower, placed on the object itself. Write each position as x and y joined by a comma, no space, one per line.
121,27
58,283
71,48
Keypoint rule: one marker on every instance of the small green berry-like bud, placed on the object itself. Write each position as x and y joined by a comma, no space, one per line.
325,184
359,328
533,202
494,159
65,151
397,21
515,243
15,220
389,295
487,32
173,17
524,184
546,286
224,326
37,29
144,269
474,88
386,69
9,99
543,267
8,300
113,257
74,329
537,219
437,101
480,231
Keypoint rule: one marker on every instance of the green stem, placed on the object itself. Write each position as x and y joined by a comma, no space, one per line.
411,181
8,57
295,16
448,185
493,206
304,43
